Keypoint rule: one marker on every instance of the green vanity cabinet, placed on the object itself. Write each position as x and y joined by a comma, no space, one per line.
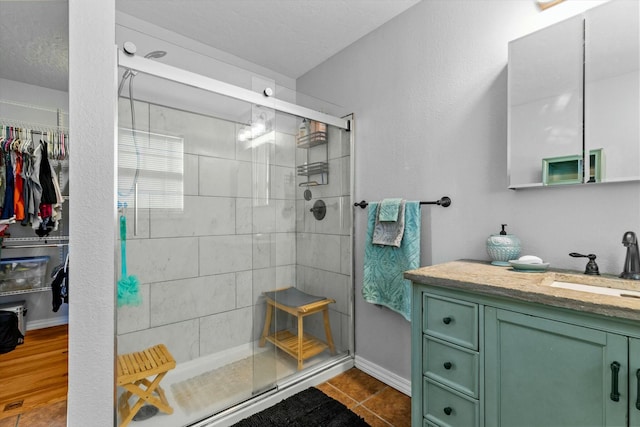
481,360
446,362
541,372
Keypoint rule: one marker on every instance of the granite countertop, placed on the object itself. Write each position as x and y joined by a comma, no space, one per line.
486,279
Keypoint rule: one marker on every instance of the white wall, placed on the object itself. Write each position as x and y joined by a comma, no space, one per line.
429,94
92,108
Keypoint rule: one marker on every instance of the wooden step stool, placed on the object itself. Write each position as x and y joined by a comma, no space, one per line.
133,370
299,304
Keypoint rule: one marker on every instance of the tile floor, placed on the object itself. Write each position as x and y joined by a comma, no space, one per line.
379,404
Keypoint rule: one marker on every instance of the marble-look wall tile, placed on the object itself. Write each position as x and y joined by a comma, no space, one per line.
181,339
200,216
285,276
224,178
263,250
346,262
319,250
314,325
191,174
244,289
223,331
285,252
264,279
345,179
339,142
327,284
347,331
180,300
264,218
305,221
333,221
283,183
134,318
244,215
285,216
141,230
202,135
285,150
155,260
141,112
225,254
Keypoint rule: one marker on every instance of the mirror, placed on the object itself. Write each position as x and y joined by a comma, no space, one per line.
612,88
579,74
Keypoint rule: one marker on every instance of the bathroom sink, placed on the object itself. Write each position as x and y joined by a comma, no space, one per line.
596,289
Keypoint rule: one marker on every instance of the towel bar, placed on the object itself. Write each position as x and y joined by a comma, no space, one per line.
444,202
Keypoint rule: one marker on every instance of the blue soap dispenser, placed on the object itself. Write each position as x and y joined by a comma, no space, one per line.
503,247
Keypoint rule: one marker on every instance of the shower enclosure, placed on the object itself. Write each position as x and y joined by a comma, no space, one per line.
222,189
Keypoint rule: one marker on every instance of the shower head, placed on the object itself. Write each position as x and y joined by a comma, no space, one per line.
156,54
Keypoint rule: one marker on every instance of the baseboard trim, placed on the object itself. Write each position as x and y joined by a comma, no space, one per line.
384,375
47,323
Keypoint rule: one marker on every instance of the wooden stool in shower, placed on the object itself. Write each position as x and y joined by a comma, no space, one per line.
299,304
133,371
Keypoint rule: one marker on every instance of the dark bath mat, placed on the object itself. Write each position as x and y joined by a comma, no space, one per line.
309,408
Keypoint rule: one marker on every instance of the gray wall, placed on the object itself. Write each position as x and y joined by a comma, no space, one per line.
429,94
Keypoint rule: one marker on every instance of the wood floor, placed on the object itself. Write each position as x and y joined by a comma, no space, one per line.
34,376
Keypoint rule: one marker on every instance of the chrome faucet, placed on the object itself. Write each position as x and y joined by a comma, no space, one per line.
632,261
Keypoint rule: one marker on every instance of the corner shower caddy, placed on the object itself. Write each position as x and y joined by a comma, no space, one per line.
319,169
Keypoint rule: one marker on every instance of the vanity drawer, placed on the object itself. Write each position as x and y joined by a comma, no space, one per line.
446,407
451,320
451,365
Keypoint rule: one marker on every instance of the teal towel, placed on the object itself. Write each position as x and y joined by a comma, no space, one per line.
389,209
384,266
389,232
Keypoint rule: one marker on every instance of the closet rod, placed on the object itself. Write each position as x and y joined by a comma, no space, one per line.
33,107
444,202
33,126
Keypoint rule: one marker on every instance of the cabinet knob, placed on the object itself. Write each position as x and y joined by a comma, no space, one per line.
447,320
447,365
448,410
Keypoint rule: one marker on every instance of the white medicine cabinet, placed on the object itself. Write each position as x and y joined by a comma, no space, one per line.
574,100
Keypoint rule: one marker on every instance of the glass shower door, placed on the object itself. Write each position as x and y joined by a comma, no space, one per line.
191,187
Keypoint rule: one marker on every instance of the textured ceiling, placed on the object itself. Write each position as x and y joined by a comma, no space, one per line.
34,42
287,36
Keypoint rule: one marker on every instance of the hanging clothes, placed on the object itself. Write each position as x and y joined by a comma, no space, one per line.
7,209
46,179
60,285
36,187
18,187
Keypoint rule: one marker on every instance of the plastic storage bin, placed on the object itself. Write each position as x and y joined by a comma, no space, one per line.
17,274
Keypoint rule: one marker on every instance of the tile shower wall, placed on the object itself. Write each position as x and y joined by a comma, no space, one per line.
324,247
203,270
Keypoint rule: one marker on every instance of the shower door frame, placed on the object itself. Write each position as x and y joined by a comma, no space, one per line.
188,78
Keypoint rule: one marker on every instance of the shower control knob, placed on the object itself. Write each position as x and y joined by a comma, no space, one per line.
268,91
129,48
